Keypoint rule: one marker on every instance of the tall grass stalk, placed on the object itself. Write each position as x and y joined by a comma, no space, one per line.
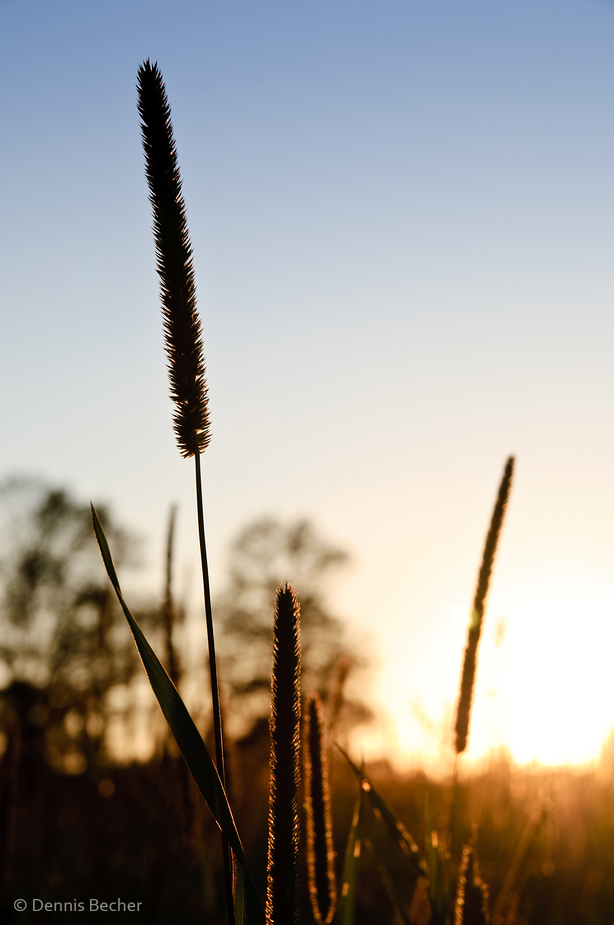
320,856
471,905
521,849
465,698
168,607
282,898
182,330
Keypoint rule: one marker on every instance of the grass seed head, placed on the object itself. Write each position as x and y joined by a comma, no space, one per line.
471,906
282,900
320,855
465,697
182,329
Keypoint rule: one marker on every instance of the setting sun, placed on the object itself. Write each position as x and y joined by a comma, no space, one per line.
544,689
555,686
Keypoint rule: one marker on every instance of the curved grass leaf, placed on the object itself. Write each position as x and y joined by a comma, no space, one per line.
347,901
436,892
396,900
248,909
387,815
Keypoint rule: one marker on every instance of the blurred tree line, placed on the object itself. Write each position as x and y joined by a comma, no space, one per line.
265,554
65,648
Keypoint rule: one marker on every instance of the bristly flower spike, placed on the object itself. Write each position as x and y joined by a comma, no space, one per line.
320,855
472,895
182,329
465,697
282,898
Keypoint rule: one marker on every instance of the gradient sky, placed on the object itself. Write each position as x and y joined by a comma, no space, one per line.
402,217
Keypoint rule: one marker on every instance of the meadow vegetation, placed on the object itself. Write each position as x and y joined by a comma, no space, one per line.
255,812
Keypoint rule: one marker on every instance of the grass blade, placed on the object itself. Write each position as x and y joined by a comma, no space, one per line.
347,901
513,876
396,900
248,907
387,815
435,872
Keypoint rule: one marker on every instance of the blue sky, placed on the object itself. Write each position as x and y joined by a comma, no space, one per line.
402,217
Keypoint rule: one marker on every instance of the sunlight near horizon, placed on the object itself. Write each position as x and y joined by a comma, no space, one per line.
557,683
545,688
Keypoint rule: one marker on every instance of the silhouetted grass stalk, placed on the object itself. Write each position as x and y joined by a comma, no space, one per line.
510,883
471,905
467,683
182,330
168,608
353,849
282,899
320,856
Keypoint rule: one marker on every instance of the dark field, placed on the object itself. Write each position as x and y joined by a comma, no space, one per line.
143,833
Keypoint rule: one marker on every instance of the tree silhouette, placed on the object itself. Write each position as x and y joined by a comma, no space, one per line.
63,645
266,554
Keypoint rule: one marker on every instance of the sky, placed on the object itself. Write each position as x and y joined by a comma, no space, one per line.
402,219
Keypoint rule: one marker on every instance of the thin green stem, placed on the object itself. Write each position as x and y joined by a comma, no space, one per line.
215,691
168,609
454,818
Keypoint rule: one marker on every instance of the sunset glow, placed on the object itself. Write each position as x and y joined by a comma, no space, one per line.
545,688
